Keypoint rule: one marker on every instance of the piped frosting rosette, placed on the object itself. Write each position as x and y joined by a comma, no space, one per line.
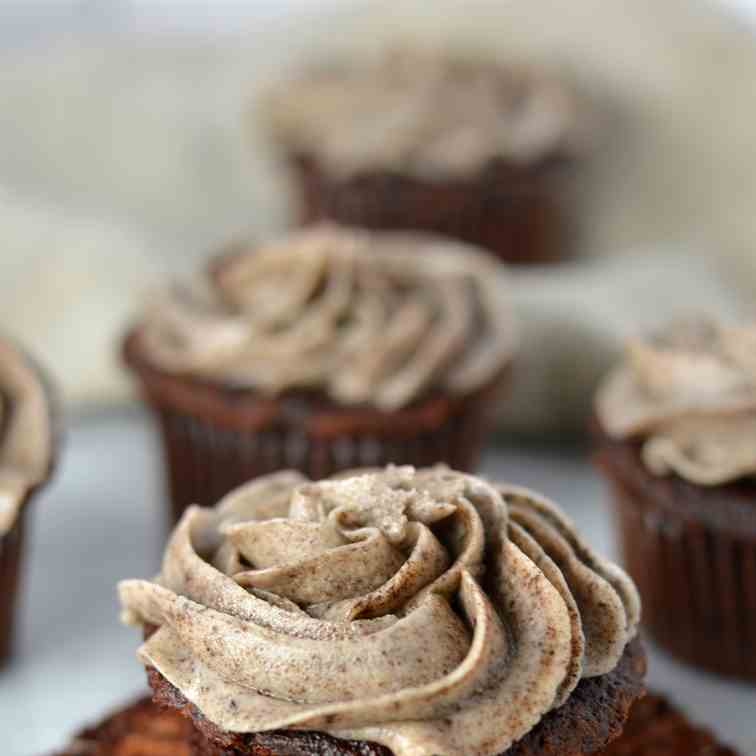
688,392
367,318
426,610
429,115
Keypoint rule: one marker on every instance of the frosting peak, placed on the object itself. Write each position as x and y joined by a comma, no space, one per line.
385,502
689,391
426,610
366,318
425,114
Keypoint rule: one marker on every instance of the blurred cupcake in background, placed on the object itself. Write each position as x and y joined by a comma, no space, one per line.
26,458
326,350
468,148
676,424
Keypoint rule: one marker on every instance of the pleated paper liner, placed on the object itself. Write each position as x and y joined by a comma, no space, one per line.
12,546
519,214
215,439
692,553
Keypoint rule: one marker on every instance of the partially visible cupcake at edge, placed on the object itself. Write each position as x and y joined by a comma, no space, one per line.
403,611
26,458
325,350
676,424
465,147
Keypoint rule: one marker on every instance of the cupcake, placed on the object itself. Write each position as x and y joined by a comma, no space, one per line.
327,350
471,149
676,428
388,611
26,455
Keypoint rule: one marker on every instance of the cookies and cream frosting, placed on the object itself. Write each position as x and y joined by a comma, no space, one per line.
367,318
25,432
689,392
426,610
429,115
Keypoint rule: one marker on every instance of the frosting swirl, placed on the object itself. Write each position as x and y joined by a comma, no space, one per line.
426,610
424,114
25,432
689,391
366,318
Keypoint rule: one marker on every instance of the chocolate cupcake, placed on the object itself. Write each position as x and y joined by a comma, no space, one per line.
389,611
328,350
469,149
26,455
656,728
676,425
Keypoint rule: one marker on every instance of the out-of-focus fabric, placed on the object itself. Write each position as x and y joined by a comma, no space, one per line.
127,157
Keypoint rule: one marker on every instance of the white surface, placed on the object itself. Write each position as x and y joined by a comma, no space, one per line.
76,661
747,7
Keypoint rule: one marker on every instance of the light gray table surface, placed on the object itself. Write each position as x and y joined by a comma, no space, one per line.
102,520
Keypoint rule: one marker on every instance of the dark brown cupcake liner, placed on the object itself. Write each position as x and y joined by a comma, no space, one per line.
519,214
215,439
692,554
12,545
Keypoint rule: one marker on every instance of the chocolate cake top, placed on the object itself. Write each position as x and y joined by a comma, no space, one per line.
425,610
689,392
426,114
367,318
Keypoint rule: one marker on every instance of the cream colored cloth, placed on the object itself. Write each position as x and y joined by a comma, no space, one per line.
136,155
67,283
574,321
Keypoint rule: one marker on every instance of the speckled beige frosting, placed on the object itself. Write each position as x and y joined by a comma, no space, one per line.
25,432
689,391
427,610
430,115
375,319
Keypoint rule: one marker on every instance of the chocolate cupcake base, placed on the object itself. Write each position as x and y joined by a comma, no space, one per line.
593,716
516,213
140,729
215,439
654,728
12,546
692,553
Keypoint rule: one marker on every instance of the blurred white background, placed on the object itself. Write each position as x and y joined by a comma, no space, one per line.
129,147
